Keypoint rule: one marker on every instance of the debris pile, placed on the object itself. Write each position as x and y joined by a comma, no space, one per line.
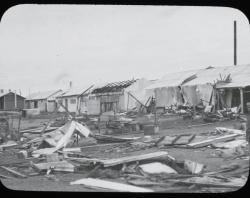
133,164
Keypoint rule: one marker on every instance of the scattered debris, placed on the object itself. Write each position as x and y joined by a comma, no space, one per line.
77,145
193,167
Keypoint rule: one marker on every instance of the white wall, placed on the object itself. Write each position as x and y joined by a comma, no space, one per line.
93,107
42,105
138,90
51,105
71,106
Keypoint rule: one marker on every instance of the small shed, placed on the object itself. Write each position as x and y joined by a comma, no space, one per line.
11,101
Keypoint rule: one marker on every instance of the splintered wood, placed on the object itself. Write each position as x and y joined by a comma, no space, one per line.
110,185
212,140
113,162
16,173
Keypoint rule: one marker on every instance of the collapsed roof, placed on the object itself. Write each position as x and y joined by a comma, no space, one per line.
61,137
239,77
113,87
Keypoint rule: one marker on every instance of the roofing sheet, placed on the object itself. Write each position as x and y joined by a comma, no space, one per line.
173,79
74,91
7,91
42,95
239,74
113,86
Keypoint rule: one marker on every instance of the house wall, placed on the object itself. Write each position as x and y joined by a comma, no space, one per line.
2,103
32,104
83,103
168,96
111,102
20,102
121,103
93,107
51,106
137,89
69,102
99,103
42,105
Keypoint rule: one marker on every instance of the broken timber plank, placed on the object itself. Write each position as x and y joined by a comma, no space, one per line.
13,172
198,125
177,138
38,130
113,162
213,140
6,177
57,166
210,182
7,145
101,145
110,185
82,159
106,138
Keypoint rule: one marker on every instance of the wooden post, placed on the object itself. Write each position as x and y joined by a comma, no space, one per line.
99,120
15,102
19,123
241,100
127,102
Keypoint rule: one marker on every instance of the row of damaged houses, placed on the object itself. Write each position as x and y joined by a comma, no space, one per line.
217,86
114,96
221,87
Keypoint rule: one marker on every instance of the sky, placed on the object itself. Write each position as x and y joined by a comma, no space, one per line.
43,47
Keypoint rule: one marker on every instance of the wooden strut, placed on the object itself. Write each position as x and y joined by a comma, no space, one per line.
78,97
48,123
70,116
13,172
136,99
19,123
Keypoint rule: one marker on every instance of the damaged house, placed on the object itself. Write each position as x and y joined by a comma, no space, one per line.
120,96
44,101
218,86
74,99
10,100
167,90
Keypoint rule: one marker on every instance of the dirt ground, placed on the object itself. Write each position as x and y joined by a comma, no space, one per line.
168,126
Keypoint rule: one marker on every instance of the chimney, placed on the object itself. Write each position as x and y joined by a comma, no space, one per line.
70,84
1,90
235,43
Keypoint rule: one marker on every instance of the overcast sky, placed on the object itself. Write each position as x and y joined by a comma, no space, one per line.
43,47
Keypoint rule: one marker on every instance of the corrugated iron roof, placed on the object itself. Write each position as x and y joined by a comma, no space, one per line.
239,74
113,86
6,92
75,91
43,95
173,79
